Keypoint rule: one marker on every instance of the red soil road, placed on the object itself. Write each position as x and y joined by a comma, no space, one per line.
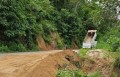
34,64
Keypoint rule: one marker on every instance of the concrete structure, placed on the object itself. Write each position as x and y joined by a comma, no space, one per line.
89,40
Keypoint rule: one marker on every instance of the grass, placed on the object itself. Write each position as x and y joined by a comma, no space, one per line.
95,74
107,53
82,52
69,73
77,73
104,46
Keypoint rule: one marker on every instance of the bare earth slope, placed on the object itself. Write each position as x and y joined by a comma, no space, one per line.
98,61
36,64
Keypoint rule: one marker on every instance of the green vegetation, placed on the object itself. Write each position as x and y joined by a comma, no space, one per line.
22,21
95,74
3,48
68,73
82,52
111,40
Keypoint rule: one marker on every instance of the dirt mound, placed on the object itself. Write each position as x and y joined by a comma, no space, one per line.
95,53
96,61
37,64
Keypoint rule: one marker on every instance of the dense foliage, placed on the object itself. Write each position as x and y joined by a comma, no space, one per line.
21,21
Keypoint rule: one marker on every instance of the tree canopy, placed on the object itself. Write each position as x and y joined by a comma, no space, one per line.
21,21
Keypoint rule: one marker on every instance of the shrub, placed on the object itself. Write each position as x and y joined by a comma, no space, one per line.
111,40
116,46
17,47
4,48
60,43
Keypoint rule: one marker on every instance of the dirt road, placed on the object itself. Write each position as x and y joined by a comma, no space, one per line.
22,64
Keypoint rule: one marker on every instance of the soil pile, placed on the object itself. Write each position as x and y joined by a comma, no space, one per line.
96,61
37,64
